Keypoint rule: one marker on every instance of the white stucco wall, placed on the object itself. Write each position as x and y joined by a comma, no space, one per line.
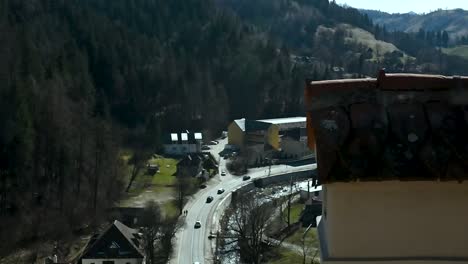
395,219
180,149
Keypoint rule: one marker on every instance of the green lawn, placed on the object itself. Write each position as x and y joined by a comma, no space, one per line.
461,51
296,210
287,257
311,237
167,168
156,182
170,209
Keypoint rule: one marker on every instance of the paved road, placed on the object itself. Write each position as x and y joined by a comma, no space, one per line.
192,244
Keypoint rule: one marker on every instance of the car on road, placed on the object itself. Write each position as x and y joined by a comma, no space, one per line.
220,191
223,173
213,142
205,148
209,199
202,186
246,177
197,224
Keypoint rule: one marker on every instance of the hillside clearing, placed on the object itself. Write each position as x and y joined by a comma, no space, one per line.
461,51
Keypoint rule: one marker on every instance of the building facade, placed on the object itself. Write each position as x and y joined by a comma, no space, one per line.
183,143
392,158
259,138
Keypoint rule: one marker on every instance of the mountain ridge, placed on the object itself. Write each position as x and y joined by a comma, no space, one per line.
454,21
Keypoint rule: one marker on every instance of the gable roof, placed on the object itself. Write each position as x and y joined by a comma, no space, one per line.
182,138
116,242
285,120
251,125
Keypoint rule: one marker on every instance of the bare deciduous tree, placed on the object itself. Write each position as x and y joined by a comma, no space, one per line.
248,222
151,220
158,232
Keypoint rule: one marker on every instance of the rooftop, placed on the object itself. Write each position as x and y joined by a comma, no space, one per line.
116,242
398,126
184,137
251,125
284,120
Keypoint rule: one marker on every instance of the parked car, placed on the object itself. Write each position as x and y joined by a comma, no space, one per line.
246,177
197,224
209,199
214,142
202,186
220,191
205,148
223,173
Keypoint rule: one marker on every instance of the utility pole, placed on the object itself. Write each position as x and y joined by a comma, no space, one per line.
289,200
304,251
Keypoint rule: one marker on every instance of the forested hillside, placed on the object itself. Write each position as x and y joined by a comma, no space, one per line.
447,23
77,78
82,79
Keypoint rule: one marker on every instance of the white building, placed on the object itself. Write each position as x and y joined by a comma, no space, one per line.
183,143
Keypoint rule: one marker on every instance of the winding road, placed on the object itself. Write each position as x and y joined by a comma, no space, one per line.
192,244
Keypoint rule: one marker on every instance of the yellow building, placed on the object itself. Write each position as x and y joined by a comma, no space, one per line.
285,135
392,159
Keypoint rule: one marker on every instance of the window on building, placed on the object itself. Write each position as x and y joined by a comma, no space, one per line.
108,262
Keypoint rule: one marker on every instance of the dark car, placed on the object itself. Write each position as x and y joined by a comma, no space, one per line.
209,199
245,178
202,186
220,191
205,148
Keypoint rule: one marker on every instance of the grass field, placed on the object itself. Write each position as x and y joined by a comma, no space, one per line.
156,187
311,237
162,179
461,51
358,35
170,209
167,169
287,257
296,210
